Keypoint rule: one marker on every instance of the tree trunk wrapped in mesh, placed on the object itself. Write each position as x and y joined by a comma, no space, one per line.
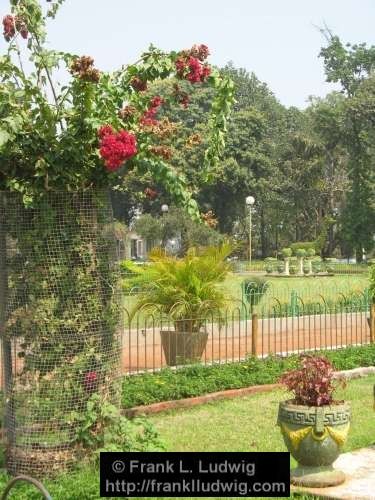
59,323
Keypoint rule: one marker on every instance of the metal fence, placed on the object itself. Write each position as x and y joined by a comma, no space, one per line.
270,319
261,325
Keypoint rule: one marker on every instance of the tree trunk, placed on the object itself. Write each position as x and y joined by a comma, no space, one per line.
63,318
359,254
263,235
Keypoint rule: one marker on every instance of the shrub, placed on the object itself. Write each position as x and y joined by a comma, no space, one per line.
293,270
168,384
253,289
121,433
317,267
286,252
372,283
280,268
269,269
305,245
186,289
91,133
310,252
312,382
127,268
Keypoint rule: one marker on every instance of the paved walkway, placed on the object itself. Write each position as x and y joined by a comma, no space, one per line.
359,467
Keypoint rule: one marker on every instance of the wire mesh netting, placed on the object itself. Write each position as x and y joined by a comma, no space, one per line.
59,324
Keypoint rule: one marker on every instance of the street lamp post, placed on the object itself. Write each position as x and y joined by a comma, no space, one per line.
331,232
250,200
278,229
164,210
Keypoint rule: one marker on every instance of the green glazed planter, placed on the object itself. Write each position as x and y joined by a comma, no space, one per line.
314,436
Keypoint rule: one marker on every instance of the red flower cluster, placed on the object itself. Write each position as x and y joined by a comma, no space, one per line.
181,96
192,69
193,140
83,68
138,84
210,219
11,24
127,112
150,193
116,148
163,151
157,101
9,27
148,117
198,72
201,52
90,381
105,130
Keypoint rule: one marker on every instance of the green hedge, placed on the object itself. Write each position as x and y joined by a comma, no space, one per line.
303,245
199,379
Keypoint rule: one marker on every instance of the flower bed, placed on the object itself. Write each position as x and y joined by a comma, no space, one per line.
196,380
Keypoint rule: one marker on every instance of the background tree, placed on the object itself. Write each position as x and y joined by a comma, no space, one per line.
176,224
352,67
309,170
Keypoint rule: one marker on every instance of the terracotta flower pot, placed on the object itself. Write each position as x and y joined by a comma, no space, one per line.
181,347
314,436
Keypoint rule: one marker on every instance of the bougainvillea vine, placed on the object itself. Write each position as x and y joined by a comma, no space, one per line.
56,127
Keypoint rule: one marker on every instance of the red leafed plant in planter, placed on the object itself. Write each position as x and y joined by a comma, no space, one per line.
314,425
313,383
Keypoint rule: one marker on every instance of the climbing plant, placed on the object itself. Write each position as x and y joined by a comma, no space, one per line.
100,126
62,147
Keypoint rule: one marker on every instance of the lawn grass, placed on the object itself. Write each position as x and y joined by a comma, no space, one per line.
243,424
248,423
308,290
324,290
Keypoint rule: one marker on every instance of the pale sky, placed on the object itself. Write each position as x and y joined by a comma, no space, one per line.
277,39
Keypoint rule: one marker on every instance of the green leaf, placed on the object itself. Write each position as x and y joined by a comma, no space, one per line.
4,137
14,122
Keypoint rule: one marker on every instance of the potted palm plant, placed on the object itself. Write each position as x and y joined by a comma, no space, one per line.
188,291
314,425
